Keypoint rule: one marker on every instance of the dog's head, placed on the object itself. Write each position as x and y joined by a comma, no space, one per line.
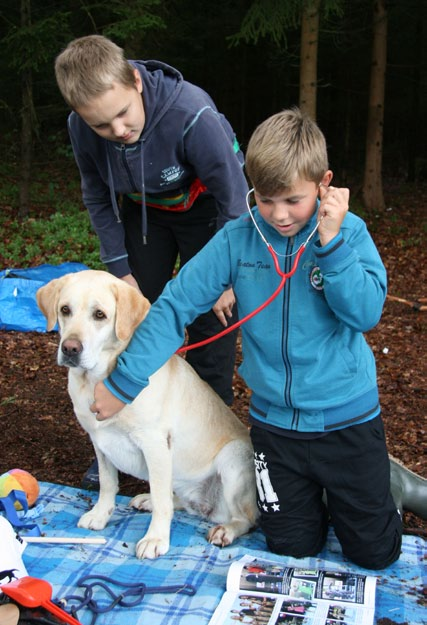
96,314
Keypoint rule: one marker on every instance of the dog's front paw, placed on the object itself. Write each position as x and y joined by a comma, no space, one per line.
151,548
221,535
142,502
94,519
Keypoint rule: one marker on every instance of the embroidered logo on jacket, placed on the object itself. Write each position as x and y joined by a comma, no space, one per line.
171,174
316,279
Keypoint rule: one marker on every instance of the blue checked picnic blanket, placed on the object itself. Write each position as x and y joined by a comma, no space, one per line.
191,560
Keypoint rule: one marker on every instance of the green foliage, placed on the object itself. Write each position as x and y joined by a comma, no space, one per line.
132,19
64,236
273,18
34,45
268,18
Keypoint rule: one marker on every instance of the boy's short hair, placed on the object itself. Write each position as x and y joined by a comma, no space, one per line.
286,146
88,67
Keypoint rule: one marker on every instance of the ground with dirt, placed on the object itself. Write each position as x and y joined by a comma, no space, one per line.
41,435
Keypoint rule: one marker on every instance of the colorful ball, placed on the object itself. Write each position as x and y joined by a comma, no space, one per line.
18,479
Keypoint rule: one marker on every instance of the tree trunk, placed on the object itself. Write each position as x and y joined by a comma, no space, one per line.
308,58
415,142
26,125
373,195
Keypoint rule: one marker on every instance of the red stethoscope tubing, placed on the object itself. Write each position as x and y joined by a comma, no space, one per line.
236,325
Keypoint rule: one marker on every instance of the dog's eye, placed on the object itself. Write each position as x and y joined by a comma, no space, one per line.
99,314
65,310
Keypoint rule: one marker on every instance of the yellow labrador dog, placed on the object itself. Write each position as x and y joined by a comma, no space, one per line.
177,434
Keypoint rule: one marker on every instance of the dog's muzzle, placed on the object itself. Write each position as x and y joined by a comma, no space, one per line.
71,351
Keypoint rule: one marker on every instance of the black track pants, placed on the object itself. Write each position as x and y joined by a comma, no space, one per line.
352,466
181,234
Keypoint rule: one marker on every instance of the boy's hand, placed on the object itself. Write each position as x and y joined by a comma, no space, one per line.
131,280
332,210
105,404
224,306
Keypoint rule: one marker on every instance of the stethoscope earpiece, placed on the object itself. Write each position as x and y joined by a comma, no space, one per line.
269,246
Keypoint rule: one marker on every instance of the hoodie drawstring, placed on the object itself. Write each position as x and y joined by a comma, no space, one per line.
114,198
111,188
143,202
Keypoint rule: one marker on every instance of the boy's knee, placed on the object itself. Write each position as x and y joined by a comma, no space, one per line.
301,545
297,537
378,555
293,550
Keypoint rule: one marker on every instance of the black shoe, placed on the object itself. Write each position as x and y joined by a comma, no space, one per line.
90,479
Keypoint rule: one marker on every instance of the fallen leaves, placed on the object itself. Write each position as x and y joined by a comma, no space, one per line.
40,433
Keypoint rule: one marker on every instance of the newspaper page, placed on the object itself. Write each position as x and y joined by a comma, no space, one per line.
263,592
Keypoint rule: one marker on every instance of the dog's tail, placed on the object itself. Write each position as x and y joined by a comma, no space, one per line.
409,490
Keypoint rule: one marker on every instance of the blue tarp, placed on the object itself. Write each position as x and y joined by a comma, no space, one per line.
18,288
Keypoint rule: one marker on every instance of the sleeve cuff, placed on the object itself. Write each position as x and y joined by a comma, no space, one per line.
337,253
119,267
330,247
123,388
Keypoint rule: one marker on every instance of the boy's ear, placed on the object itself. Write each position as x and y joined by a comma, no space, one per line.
138,80
327,178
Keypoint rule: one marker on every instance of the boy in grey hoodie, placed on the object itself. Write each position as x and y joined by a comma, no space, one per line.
141,132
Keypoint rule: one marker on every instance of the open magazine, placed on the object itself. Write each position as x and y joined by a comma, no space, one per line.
262,592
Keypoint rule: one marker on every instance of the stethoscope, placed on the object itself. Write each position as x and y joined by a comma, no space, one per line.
271,249
283,275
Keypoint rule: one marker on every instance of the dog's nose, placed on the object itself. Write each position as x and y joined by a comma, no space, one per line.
71,347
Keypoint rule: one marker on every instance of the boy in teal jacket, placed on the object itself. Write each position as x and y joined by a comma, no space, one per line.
315,413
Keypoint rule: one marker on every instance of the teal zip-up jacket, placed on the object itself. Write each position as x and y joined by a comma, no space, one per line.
304,356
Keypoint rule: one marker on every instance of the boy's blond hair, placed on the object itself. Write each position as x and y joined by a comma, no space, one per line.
286,146
88,67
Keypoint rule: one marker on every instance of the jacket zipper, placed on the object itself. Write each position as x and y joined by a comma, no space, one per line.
285,353
125,163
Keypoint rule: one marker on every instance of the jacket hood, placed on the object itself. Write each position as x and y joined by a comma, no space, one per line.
161,85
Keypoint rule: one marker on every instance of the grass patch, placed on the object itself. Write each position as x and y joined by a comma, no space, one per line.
57,230
63,236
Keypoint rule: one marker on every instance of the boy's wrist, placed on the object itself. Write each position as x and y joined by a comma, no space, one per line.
121,387
325,249
325,239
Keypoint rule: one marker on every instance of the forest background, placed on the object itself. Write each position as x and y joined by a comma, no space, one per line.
358,66
362,61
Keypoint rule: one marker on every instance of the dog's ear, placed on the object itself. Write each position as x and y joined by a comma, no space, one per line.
47,300
131,309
